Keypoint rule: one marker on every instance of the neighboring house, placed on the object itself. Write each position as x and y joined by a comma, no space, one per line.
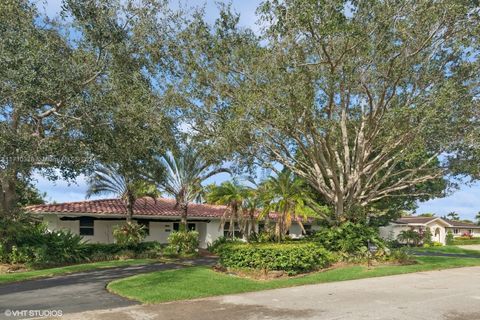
95,219
438,227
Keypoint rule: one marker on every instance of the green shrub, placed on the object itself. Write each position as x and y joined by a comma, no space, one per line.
292,257
449,238
400,256
350,238
129,234
42,248
427,237
215,245
182,243
114,251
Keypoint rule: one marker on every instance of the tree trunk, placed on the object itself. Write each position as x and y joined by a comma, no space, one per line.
8,197
183,221
130,205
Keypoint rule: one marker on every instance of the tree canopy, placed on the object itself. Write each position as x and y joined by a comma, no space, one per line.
366,100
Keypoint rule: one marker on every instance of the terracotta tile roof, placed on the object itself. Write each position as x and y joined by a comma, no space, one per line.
144,207
462,224
420,220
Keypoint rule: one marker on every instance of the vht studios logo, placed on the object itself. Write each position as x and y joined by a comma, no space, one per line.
33,313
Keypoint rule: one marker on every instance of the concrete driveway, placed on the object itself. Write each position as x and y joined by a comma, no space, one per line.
452,294
76,292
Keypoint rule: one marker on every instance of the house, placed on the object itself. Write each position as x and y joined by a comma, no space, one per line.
95,219
439,227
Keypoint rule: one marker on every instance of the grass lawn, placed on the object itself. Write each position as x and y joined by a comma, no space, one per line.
449,249
466,242
12,277
199,282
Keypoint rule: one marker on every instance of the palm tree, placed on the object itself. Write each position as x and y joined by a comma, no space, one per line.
183,177
477,217
107,179
453,216
286,196
232,195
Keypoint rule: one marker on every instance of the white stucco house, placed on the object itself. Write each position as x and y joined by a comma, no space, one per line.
95,219
439,227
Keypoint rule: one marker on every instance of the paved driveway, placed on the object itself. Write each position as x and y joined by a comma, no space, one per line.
452,294
75,292
471,247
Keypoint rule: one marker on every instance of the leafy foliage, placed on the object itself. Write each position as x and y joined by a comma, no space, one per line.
129,234
449,239
350,238
33,244
290,257
182,243
182,175
285,196
410,237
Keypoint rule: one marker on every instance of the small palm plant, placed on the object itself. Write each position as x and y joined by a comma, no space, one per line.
107,179
232,195
286,196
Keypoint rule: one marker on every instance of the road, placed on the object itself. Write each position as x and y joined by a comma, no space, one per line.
452,294
76,292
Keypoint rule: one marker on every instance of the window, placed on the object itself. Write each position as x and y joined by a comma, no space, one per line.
146,226
191,226
455,231
86,226
236,231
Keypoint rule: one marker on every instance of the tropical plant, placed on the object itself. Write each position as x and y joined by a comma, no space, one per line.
129,234
107,179
477,217
182,242
427,237
453,216
185,172
233,195
285,198
409,237
449,238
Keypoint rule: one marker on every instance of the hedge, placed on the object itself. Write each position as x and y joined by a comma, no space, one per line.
289,257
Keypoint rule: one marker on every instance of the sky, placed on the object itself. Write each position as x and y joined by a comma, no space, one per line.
465,201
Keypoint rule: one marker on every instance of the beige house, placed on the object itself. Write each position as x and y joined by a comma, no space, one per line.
438,227
96,219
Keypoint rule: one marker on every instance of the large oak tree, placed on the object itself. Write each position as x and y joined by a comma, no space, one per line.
365,100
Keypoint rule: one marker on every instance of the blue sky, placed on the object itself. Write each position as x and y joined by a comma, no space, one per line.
465,201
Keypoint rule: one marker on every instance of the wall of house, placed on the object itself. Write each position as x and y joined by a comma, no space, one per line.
438,231
158,231
392,231
461,231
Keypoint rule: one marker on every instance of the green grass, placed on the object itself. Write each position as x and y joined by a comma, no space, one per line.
27,275
200,282
466,242
448,249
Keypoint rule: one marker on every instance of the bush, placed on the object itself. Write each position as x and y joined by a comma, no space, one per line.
449,238
427,237
129,234
215,245
182,243
114,251
400,256
350,238
292,257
